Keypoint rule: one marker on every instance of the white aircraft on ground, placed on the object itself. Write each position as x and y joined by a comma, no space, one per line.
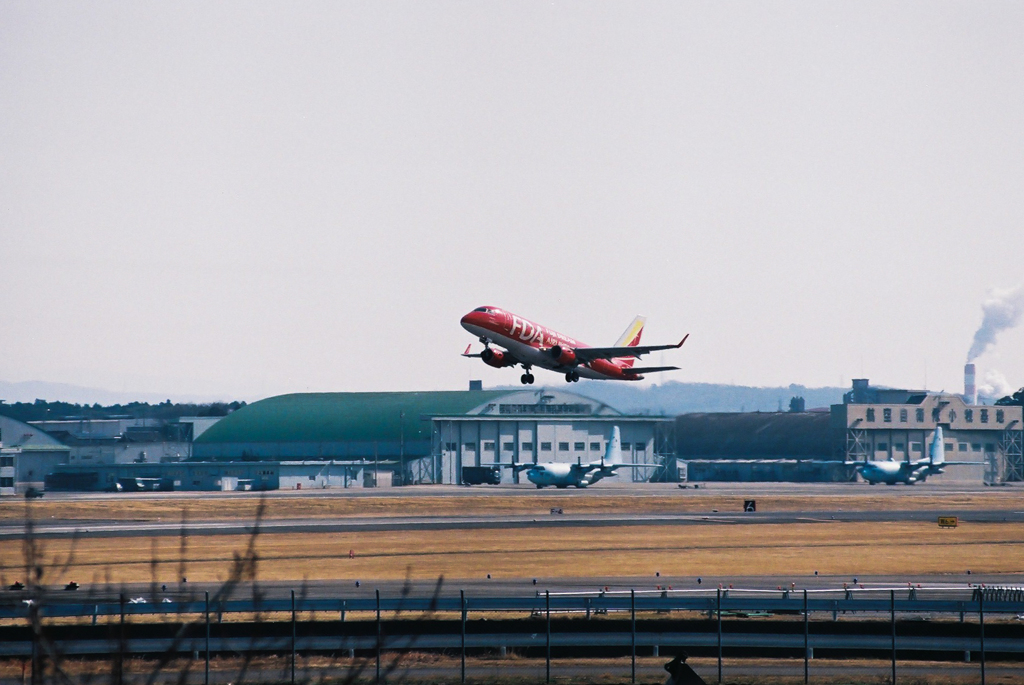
581,474
908,472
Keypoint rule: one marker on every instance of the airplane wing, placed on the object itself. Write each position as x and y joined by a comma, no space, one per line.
623,466
589,354
515,466
651,369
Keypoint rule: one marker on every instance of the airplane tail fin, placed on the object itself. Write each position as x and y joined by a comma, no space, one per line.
937,450
613,452
631,338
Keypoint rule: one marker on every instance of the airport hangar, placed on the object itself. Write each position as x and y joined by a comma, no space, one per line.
342,440
872,423
358,439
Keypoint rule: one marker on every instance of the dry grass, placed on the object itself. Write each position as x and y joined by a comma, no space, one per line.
831,548
286,505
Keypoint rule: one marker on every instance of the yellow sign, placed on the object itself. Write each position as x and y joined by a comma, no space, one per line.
948,521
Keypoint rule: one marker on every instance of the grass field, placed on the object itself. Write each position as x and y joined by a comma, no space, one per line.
831,548
295,505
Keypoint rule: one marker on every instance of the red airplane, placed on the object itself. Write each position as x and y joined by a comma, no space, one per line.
531,344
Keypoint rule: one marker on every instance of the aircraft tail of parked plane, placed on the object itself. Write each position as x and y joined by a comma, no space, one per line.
937,450
613,451
528,344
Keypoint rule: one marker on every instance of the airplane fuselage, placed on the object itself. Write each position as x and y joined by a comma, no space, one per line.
562,475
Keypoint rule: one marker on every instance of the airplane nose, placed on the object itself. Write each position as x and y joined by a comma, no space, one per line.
474,318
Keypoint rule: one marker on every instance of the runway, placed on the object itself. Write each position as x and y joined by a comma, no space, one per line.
603,488
82,529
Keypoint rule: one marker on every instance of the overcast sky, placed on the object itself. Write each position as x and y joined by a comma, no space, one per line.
252,198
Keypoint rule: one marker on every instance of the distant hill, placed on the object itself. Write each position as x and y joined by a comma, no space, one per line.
673,398
30,391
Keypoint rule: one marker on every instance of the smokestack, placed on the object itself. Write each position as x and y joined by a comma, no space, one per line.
970,387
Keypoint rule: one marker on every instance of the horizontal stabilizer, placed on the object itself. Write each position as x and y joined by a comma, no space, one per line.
651,369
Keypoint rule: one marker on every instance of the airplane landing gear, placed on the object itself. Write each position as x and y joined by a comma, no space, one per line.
572,376
526,378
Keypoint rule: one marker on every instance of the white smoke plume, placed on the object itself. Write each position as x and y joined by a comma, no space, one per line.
995,386
1001,310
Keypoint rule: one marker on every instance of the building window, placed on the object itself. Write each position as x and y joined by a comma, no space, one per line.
969,415
6,461
545,447
1000,416
984,415
919,415
6,482
882,447
528,446
488,446
962,446
871,415
451,446
469,446
579,446
915,447
508,446
595,447
903,415
975,446
952,416
887,415
563,447
949,447
936,414
897,446
990,447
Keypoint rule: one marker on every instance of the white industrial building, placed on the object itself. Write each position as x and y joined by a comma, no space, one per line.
27,454
545,425
898,425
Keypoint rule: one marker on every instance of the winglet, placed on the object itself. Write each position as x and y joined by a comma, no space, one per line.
466,353
682,341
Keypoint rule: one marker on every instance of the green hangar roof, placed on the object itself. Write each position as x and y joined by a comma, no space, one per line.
334,425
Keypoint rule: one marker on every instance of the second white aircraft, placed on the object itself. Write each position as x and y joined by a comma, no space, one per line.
581,474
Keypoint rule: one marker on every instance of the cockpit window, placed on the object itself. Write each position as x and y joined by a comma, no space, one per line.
481,309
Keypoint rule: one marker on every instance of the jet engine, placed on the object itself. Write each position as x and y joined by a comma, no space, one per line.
496,358
562,356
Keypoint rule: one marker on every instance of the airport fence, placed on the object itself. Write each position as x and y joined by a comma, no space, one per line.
618,635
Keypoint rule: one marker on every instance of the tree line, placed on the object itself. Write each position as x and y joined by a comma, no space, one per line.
42,410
